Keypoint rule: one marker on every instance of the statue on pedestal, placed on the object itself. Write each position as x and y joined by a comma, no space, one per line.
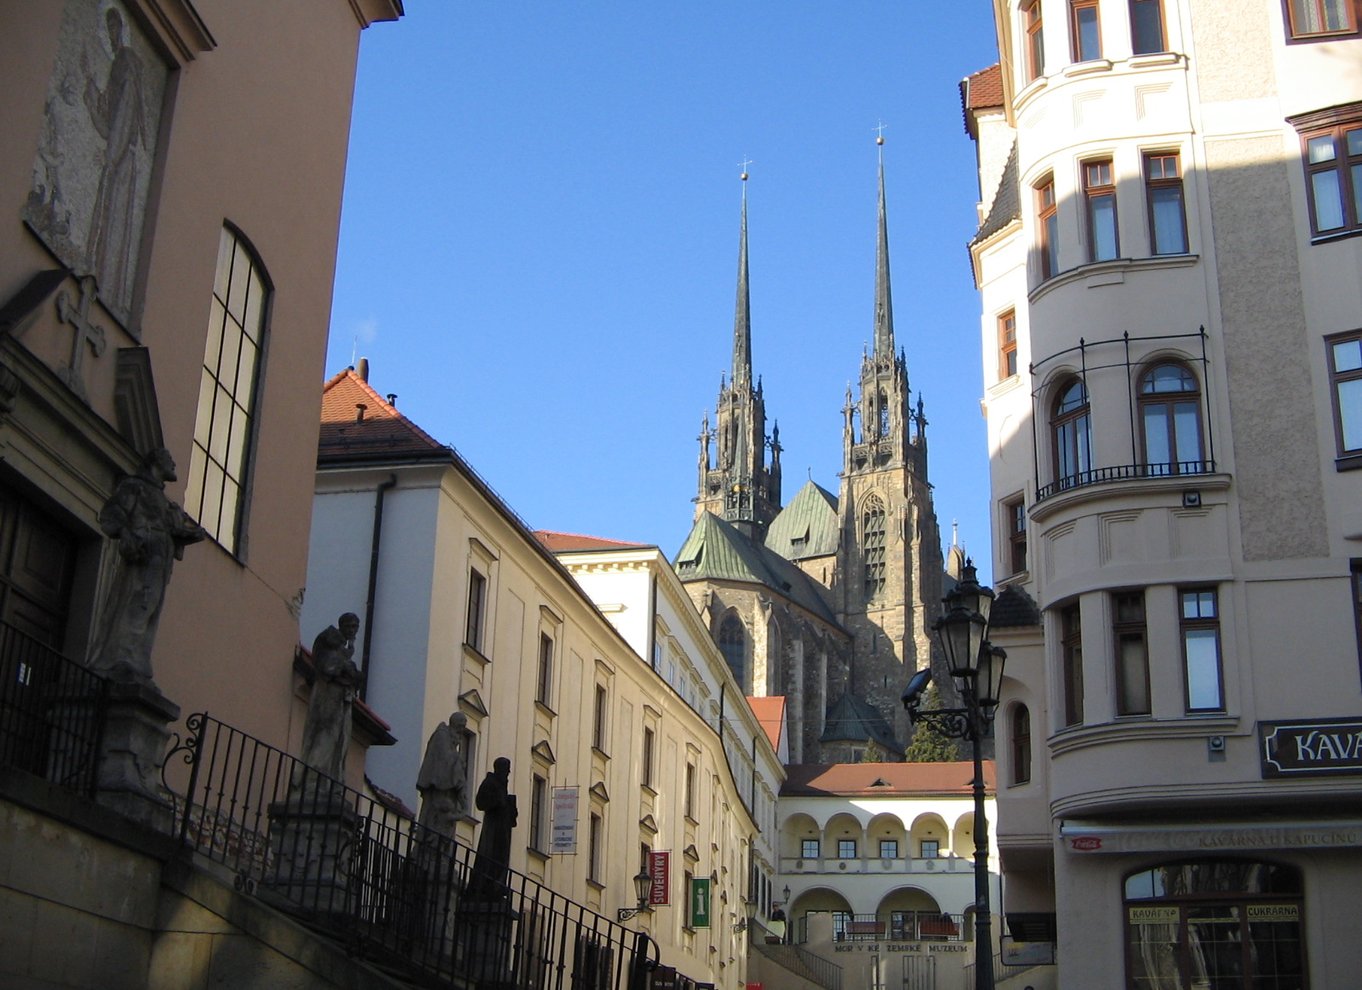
494,842
151,532
326,733
442,780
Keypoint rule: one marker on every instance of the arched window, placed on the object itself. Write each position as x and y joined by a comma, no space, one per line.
872,543
1071,428
220,459
1021,744
732,644
1170,418
884,415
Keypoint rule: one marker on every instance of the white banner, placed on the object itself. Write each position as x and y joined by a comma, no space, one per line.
564,841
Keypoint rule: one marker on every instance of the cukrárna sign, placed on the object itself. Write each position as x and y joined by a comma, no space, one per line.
1319,747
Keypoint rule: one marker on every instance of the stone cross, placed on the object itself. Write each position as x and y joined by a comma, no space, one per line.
87,334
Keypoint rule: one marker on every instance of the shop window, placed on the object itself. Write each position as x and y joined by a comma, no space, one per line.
1214,923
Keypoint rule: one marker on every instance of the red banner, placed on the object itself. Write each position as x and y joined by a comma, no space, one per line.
660,869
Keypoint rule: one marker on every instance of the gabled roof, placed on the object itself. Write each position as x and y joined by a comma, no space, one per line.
807,527
574,542
851,719
770,713
859,779
717,551
375,432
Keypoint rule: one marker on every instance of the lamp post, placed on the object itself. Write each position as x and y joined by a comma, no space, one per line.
643,885
976,666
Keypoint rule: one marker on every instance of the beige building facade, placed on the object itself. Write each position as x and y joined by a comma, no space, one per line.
171,174
1168,263
613,757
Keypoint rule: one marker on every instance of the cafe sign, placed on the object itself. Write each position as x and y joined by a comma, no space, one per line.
1319,747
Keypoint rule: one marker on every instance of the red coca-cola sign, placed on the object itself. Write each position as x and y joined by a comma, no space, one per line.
1085,843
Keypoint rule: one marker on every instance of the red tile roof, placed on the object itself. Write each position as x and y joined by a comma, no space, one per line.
570,542
883,779
378,431
770,713
984,88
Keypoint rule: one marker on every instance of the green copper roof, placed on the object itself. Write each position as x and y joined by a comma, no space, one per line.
807,527
852,720
717,551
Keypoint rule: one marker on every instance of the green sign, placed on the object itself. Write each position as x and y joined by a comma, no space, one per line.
699,902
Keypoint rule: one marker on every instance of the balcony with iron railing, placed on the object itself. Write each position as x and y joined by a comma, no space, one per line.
1172,471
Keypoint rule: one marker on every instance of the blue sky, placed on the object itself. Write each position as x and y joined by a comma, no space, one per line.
538,248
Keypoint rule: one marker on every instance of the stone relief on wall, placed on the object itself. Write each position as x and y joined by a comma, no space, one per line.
93,168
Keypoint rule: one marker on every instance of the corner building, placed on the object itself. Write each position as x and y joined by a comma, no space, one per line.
1168,259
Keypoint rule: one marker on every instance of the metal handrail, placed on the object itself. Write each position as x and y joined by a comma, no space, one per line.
52,712
394,891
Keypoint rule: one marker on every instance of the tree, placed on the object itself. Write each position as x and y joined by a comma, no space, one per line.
928,744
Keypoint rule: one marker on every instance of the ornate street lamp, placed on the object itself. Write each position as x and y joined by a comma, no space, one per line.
643,885
976,666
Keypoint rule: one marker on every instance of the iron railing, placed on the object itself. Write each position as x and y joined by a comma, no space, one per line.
1124,472
1001,971
395,892
52,712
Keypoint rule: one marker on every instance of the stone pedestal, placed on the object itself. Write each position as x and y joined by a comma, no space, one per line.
128,771
312,849
485,933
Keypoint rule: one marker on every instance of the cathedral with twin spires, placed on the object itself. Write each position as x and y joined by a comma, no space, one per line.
829,600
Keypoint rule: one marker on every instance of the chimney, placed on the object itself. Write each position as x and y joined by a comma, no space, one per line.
359,412
363,369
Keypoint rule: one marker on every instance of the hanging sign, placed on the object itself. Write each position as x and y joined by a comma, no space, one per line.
564,839
660,869
1310,749
699,902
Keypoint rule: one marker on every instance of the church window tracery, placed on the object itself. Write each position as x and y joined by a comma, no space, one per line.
872,540
732,644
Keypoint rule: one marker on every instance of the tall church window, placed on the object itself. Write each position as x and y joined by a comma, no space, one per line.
872,541
884,415
733,645
224,428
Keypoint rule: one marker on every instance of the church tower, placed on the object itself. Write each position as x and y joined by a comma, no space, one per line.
890,553
737,485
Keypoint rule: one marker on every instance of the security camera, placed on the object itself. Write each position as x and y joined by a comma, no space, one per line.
912,694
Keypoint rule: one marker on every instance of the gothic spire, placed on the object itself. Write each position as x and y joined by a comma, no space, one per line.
742,318
884,311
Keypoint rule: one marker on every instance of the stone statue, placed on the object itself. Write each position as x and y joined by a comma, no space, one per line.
152,532
326,733
442,780
494,842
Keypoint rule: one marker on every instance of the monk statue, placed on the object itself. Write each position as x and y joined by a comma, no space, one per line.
494,841
442,780
151,532
326,733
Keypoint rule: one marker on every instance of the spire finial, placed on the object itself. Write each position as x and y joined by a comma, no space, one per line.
743,165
